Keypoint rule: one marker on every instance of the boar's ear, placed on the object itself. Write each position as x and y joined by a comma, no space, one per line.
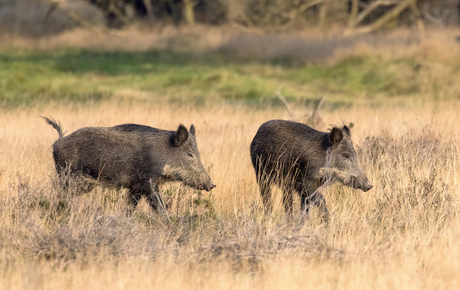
181,135
346,130
192,130
335,136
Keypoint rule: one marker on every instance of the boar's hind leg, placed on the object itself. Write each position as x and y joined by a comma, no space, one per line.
287,201
264,188
75,182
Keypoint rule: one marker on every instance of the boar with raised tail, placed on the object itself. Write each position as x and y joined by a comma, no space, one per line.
299,158
132,156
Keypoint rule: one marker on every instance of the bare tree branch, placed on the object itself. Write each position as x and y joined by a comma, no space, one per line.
247,29
386,17
305,6
432,19
371,7
53,7
119,14
74,16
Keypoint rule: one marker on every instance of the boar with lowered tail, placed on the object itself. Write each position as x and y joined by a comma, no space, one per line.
132,156
301,159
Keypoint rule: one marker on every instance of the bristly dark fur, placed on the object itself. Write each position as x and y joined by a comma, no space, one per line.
136,157
290,155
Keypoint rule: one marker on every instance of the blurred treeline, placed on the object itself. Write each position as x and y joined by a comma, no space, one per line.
44,16
281,14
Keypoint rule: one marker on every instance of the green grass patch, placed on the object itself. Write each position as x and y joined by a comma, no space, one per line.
74,75
361,74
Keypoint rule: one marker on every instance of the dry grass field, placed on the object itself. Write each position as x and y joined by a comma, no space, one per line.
402,234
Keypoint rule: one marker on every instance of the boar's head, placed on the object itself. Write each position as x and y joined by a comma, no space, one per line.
342,162
185,163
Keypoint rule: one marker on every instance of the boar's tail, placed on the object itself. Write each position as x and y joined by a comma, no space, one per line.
56,125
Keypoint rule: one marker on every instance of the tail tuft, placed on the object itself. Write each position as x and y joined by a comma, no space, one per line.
56,125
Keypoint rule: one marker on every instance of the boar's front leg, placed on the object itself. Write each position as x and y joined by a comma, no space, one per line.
152,193
156,202
136,191
134,195
311,196
154,199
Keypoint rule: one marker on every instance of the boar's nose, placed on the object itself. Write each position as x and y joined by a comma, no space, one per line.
367,187
211,186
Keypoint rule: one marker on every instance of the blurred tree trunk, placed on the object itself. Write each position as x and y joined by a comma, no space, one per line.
353,13
175,15
418,19
149,9
323,14
189,14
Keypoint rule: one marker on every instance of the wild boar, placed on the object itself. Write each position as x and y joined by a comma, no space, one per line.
136,157
301,159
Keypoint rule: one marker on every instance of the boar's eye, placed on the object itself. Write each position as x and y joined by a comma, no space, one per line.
190,155
346,155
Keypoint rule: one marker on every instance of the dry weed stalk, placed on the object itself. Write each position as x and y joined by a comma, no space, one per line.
314,119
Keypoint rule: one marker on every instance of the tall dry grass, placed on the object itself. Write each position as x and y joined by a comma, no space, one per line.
403,233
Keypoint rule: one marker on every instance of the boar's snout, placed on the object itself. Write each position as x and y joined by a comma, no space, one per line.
367,187
361,183
207,187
